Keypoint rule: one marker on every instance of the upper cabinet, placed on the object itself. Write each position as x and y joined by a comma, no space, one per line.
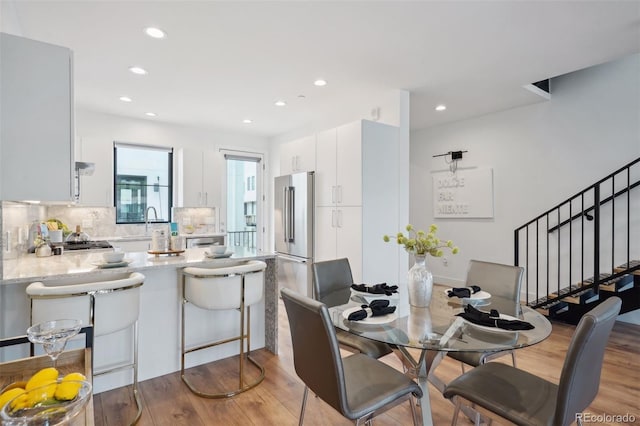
201,178
36,112
298,156
339,166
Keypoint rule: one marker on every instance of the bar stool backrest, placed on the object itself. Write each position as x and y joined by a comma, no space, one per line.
213,288
117,301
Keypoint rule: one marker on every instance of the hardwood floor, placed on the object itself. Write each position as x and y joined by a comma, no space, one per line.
276,401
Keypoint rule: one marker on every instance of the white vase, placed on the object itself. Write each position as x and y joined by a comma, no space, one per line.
420,286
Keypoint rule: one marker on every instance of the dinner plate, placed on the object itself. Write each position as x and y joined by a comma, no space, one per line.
481,295
495,329
382,319
107,265
368,297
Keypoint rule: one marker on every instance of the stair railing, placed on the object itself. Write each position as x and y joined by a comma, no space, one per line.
565,248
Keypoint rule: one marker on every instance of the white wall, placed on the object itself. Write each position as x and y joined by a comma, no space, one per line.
540,154
95,133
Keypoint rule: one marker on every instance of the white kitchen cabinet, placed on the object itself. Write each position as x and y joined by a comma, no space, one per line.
36,136
132,245
339,166
202,178
298,156
361,157
339,234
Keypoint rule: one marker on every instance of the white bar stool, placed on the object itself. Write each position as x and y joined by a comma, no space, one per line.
232,287
109,303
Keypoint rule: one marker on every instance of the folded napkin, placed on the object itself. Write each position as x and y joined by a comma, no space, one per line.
374,309
463,291
381,288
492,319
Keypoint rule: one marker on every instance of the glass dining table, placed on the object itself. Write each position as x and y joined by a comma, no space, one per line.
421,337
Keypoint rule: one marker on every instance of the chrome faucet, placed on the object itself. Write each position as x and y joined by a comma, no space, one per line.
146,217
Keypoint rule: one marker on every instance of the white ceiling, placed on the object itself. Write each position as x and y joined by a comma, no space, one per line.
226,61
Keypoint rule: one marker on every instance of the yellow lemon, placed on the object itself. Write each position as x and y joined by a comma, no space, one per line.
20,402
42,393
9,395
42,377
69,386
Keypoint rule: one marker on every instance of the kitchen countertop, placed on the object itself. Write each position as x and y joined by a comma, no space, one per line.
148,237
29,268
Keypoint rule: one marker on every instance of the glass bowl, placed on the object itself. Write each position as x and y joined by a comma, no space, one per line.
48,411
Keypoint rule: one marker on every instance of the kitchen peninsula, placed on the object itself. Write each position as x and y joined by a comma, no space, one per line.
159,321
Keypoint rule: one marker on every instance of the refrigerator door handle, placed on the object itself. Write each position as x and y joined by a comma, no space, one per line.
288,214
292,204
285,212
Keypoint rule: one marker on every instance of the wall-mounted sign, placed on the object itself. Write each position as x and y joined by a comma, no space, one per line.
463,194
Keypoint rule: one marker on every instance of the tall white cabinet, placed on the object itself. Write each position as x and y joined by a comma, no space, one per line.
36,135
357,178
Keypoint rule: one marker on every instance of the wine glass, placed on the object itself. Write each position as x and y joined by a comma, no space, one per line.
53,335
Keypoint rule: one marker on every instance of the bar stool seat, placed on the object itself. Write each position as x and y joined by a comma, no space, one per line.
110,303
227,288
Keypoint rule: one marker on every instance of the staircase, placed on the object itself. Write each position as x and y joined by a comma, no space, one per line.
585,249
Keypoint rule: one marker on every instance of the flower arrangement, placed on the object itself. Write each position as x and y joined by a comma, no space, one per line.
39,241
421,243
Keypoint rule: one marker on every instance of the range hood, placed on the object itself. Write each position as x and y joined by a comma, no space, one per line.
85,169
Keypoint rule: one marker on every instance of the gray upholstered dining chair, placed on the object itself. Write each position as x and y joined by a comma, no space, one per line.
526,399
500,281
357,386
332,281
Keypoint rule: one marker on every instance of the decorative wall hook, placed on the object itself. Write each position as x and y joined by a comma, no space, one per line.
453,161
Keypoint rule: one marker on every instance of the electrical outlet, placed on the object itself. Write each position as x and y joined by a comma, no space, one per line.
87,223
445,261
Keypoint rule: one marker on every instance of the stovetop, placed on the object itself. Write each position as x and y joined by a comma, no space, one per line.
86,245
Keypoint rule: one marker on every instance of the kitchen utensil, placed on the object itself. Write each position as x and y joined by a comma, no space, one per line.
78,236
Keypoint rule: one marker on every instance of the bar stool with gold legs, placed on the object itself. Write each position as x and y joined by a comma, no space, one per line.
233,287
110,303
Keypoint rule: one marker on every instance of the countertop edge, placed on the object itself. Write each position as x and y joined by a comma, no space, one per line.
84,264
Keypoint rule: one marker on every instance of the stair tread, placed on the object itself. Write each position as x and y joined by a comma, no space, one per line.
629,265
619,284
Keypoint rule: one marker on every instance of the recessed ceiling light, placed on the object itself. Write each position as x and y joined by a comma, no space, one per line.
150,114
247,121
280,103
155,32
441,107
301,96
138,70
320,82
125,99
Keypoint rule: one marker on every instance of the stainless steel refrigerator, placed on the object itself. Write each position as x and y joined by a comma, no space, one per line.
294,228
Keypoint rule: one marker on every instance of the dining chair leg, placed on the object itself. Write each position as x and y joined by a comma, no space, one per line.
414,411
304,405
513,358
462,367
456,411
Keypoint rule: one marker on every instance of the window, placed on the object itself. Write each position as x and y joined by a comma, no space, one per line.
243,198
142,182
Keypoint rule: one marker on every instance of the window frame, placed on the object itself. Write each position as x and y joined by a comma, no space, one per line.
170,167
